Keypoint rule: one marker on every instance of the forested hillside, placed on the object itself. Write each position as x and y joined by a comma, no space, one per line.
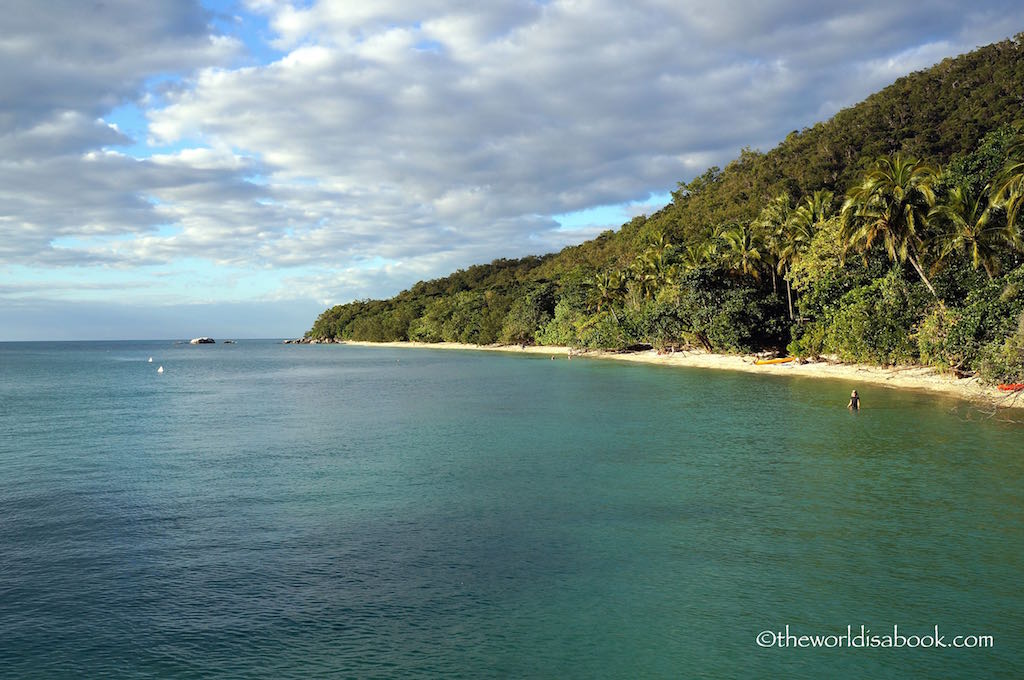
888,234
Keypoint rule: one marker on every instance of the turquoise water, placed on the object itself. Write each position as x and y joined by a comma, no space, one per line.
272,511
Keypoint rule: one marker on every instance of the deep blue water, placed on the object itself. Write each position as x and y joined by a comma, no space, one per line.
272,511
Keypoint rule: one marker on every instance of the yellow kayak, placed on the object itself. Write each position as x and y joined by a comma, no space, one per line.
762,362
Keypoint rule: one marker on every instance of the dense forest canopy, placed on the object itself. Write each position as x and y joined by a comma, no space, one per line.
888,234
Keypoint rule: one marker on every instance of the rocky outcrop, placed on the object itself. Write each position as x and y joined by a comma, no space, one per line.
202,341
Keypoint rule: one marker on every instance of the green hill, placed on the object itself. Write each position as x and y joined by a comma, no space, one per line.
763,254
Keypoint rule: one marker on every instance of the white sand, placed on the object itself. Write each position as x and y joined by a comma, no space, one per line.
904,377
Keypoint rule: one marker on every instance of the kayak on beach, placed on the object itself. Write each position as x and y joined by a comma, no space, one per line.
763,362
1012,387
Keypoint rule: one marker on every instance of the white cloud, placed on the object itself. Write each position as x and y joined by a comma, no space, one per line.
396,140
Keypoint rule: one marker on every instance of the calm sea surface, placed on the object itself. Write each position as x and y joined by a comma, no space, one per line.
277,511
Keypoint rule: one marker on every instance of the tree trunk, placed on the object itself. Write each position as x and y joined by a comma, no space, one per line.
789,295
920,272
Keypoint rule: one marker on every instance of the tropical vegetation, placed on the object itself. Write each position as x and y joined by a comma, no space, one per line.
890,234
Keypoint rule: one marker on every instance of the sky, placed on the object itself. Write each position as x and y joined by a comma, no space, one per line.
178,168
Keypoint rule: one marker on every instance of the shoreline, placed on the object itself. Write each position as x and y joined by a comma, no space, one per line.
903,377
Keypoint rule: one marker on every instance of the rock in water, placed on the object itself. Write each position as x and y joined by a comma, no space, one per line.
202,341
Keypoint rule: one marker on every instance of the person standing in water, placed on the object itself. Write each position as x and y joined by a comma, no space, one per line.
854,404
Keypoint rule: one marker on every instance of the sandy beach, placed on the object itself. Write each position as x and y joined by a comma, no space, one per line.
902,377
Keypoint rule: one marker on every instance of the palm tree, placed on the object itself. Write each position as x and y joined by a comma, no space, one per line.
645,273
772,223
653,267
806,218
795,234
819,205
694,255
607,288
743,249
969,228
891,204
1008,189
660,247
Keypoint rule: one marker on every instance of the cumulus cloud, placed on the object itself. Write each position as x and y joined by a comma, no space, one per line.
88,57
393,141
65,65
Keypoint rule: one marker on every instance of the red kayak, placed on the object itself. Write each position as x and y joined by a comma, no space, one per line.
1013,387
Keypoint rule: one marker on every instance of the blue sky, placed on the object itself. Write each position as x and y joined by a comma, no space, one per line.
181,168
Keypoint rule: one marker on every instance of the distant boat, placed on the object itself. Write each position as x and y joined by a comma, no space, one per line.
151,360
160,370
229,342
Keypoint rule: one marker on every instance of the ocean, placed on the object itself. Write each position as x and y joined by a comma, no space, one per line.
261,510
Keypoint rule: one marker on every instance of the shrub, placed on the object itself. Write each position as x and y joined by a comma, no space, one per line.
808,341
527,314
934,344
604,330
875,323
658,323
722,314
1003,361
562,329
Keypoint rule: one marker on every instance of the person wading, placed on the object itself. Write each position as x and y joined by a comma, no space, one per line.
854,404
